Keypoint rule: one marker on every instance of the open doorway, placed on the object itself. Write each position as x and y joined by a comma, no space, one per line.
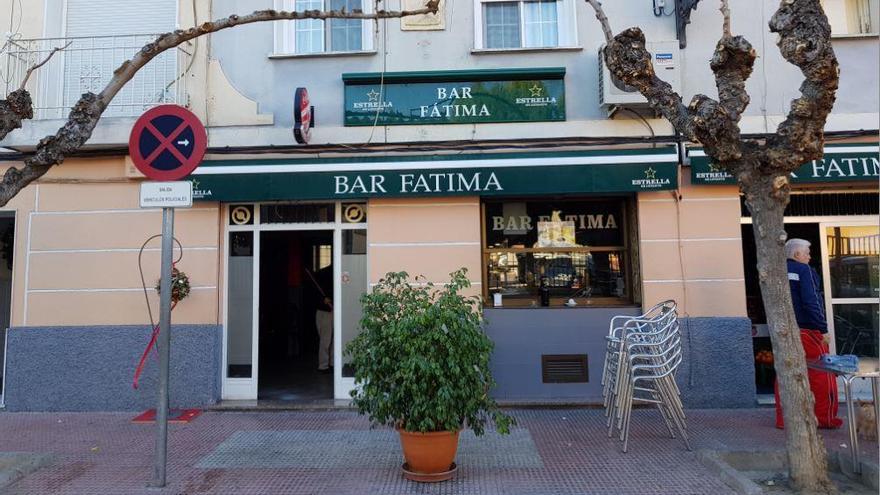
296,285
765,373
7,250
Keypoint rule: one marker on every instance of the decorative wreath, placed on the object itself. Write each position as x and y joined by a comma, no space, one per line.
179,285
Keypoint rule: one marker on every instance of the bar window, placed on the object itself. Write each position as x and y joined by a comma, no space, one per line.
556,253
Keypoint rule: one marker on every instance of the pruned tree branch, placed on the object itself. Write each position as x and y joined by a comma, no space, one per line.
710,122
804,41
27,75
603,19
16,108
762,170
84,116
703,120
732,65
725,13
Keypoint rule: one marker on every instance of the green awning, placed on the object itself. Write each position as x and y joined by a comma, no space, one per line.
841,163
497,174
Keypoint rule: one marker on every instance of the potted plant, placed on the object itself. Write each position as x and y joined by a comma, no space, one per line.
421,365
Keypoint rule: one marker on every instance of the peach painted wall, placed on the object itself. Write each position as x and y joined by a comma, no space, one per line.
78,232
430,237
691,249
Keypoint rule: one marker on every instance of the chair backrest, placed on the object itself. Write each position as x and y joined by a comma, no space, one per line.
653,325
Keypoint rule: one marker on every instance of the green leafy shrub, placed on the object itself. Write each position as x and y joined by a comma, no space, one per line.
421,360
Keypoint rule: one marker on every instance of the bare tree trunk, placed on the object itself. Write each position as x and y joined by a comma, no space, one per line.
766,198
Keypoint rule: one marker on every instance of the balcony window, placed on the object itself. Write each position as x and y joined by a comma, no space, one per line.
853,17
506,25
98,40
315,36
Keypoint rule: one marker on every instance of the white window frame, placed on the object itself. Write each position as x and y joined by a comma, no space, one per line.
566,26
838,13
285,32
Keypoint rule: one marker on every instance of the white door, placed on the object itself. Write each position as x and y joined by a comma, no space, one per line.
352,283
851,263
347,221
240,359
852,286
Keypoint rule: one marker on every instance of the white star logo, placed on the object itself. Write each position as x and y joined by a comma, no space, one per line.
195,184
650,173
373,95
536,90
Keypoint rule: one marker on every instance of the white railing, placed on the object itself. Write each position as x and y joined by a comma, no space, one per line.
86,65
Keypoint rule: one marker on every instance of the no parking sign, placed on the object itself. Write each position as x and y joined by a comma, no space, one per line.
167,143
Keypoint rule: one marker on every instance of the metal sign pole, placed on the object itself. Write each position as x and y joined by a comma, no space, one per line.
164,344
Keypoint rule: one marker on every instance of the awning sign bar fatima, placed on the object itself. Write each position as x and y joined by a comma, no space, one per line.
455,97
499,174
851,163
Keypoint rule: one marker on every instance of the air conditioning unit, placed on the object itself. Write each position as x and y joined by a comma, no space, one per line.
665,56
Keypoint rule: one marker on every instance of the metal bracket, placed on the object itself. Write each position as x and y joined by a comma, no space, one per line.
683,10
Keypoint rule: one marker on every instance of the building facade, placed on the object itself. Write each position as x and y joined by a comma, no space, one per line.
488,137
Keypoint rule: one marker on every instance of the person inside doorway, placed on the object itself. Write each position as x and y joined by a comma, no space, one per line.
323,280
324,324
804,285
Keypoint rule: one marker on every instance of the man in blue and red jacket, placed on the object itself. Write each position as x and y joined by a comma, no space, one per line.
810,316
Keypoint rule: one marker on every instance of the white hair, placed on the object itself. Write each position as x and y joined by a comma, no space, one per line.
794,246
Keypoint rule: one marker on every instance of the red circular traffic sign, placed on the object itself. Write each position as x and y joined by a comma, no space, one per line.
167,142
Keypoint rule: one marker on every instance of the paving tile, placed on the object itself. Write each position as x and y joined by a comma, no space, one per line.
551,451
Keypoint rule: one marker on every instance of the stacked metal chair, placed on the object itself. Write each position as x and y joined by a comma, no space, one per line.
642,355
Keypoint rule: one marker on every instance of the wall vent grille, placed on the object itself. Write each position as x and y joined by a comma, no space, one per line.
564,368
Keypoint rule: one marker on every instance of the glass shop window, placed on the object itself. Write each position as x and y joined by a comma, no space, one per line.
556,253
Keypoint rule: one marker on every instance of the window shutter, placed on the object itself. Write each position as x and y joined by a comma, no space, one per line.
119,17
104,30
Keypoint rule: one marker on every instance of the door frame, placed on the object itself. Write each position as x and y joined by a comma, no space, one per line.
247,388
15,263
826,271
824,222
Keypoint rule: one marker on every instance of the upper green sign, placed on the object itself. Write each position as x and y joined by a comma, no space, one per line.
840,164
454,97
499,174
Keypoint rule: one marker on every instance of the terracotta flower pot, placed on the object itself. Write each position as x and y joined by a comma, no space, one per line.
429,453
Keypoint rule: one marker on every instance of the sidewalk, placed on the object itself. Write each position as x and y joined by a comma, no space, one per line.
552,451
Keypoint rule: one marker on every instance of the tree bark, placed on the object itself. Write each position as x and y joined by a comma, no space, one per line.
16,108
762,170
86,113
808,466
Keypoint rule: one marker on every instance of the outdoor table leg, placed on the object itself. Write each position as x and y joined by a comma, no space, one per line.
851,424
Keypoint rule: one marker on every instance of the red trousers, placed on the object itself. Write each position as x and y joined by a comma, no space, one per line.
822,384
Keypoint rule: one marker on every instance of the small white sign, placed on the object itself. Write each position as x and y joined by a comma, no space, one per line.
166,194
496,299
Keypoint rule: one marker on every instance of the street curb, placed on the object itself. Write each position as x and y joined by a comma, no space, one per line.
16,465
727,474
721,463
841,460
